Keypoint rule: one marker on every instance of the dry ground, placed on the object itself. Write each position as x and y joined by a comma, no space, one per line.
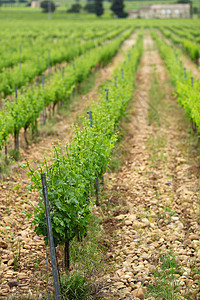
23,254
154,197
152,200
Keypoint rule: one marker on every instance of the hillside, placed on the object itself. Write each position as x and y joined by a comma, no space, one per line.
129,5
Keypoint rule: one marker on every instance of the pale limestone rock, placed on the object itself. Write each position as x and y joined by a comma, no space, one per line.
10,262
194,237
145,221
3,245
128,223
120,217
22,276
138,293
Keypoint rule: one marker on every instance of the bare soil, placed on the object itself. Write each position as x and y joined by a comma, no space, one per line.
188,63
23,254
158,189
152,206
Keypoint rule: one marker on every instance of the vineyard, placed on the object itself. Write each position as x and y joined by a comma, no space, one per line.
99,159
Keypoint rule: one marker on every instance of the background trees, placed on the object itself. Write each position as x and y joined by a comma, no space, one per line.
75,8
118,8
47,6
99,8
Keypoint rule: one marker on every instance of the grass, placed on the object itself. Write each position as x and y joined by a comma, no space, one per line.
166,286
118,154
49,129
64,5
7,160
83,88
169,210
4,165
113,204
21,13
75,286
156,95
14,155
67,4
196,271
87,263
120,151
87,254
88,83
156,145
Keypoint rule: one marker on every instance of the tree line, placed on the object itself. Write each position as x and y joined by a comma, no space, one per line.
96,6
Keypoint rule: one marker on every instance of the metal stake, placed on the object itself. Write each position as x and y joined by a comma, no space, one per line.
115,81
107,90
192,81
38,62
185,74
97,191
97,179
63,72
122,73
16,95
49,63
90,118
43,112
50,236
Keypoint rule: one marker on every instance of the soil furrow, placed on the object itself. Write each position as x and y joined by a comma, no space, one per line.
188,63
23,254
154,204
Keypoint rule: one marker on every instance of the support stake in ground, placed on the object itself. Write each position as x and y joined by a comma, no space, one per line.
97,179
43,112
50,236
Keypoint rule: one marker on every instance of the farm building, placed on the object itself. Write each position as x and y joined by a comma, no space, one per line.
133,14
162,11
35,4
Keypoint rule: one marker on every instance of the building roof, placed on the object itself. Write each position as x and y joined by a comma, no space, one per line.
132,11
158,6
165,6
145,6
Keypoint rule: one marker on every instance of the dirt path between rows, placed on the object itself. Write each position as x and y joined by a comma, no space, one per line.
22,264
154,197
63,128
188,63
48,71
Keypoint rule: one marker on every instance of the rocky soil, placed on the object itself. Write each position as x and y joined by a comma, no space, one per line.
188,63
154,197
22,252
152,200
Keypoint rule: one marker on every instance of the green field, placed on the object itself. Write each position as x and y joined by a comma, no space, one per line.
71,89
27,13
18,10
